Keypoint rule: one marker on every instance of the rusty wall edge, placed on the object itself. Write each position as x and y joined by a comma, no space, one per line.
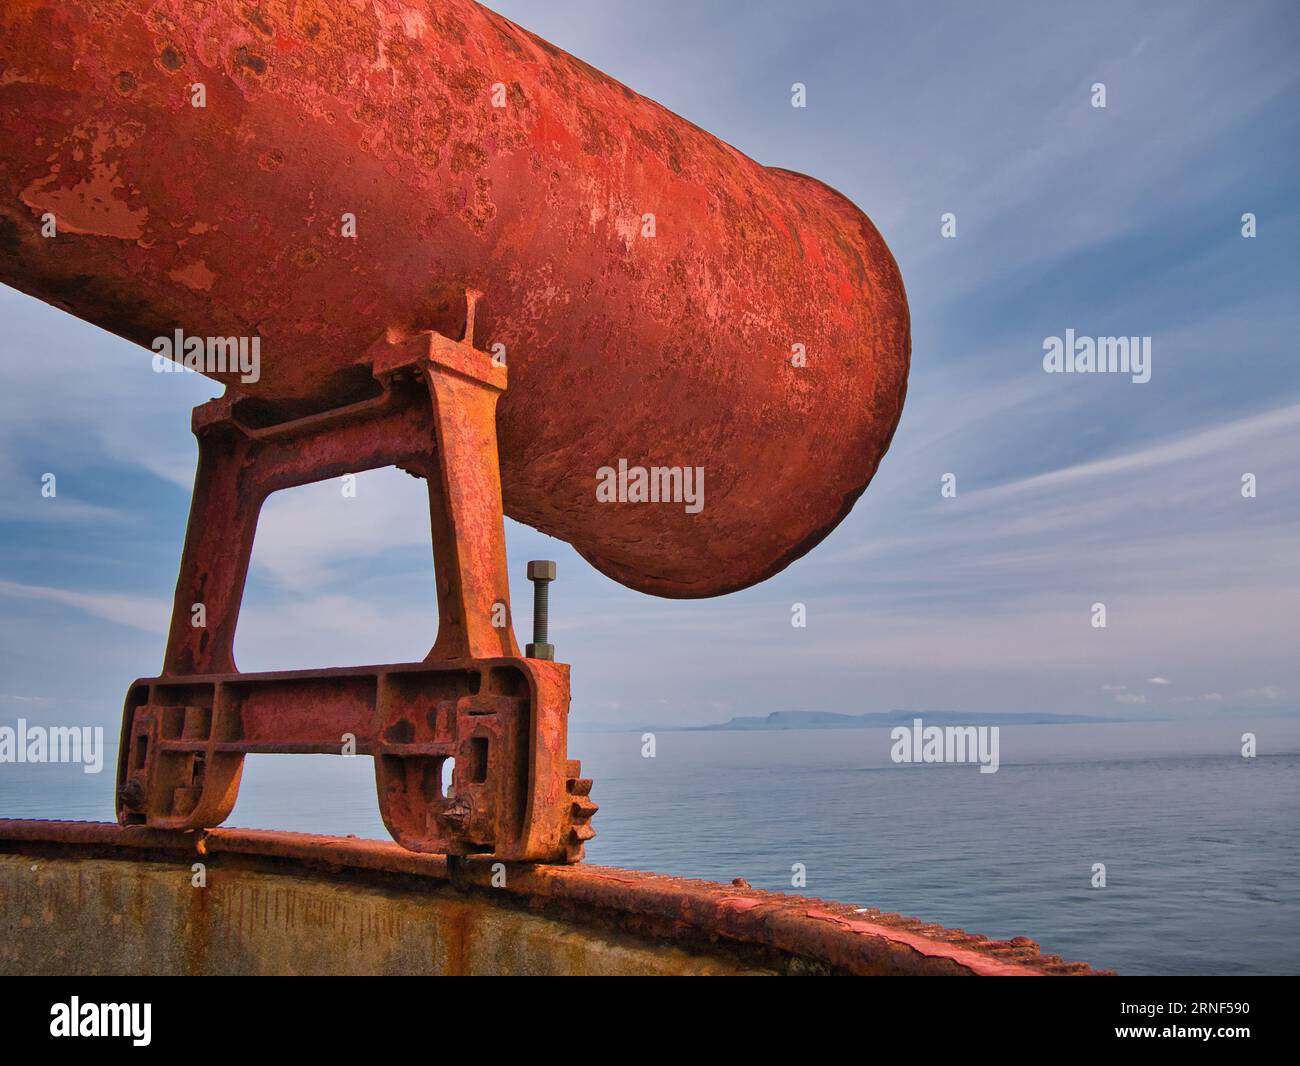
825,936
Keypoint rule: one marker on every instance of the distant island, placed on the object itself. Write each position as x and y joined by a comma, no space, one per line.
870,720
879,719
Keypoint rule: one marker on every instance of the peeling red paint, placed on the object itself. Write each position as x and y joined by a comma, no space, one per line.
976,962
740,903
195,275
92,207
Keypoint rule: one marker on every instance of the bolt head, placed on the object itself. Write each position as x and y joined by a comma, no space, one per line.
541,570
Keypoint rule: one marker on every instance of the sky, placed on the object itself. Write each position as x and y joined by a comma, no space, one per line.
1071,489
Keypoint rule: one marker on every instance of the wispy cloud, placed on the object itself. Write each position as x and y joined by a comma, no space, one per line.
138,612
307,536
35,508
1217,439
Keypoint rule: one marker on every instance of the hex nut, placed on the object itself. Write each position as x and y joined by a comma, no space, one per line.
541,570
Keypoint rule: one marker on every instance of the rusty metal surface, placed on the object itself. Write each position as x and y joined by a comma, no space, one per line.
672,350
500,719
513,792
816,935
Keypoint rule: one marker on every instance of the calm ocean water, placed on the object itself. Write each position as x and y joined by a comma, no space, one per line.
1201,846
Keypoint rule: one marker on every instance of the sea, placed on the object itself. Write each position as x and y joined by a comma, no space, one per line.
1199,846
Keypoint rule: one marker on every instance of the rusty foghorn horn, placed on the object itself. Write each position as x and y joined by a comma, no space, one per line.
316,176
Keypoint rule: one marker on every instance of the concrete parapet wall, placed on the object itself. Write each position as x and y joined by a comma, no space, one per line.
96,898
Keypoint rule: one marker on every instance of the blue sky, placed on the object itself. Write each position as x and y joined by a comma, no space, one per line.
1071,489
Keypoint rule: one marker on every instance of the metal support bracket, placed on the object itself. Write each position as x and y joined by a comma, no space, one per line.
501,717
